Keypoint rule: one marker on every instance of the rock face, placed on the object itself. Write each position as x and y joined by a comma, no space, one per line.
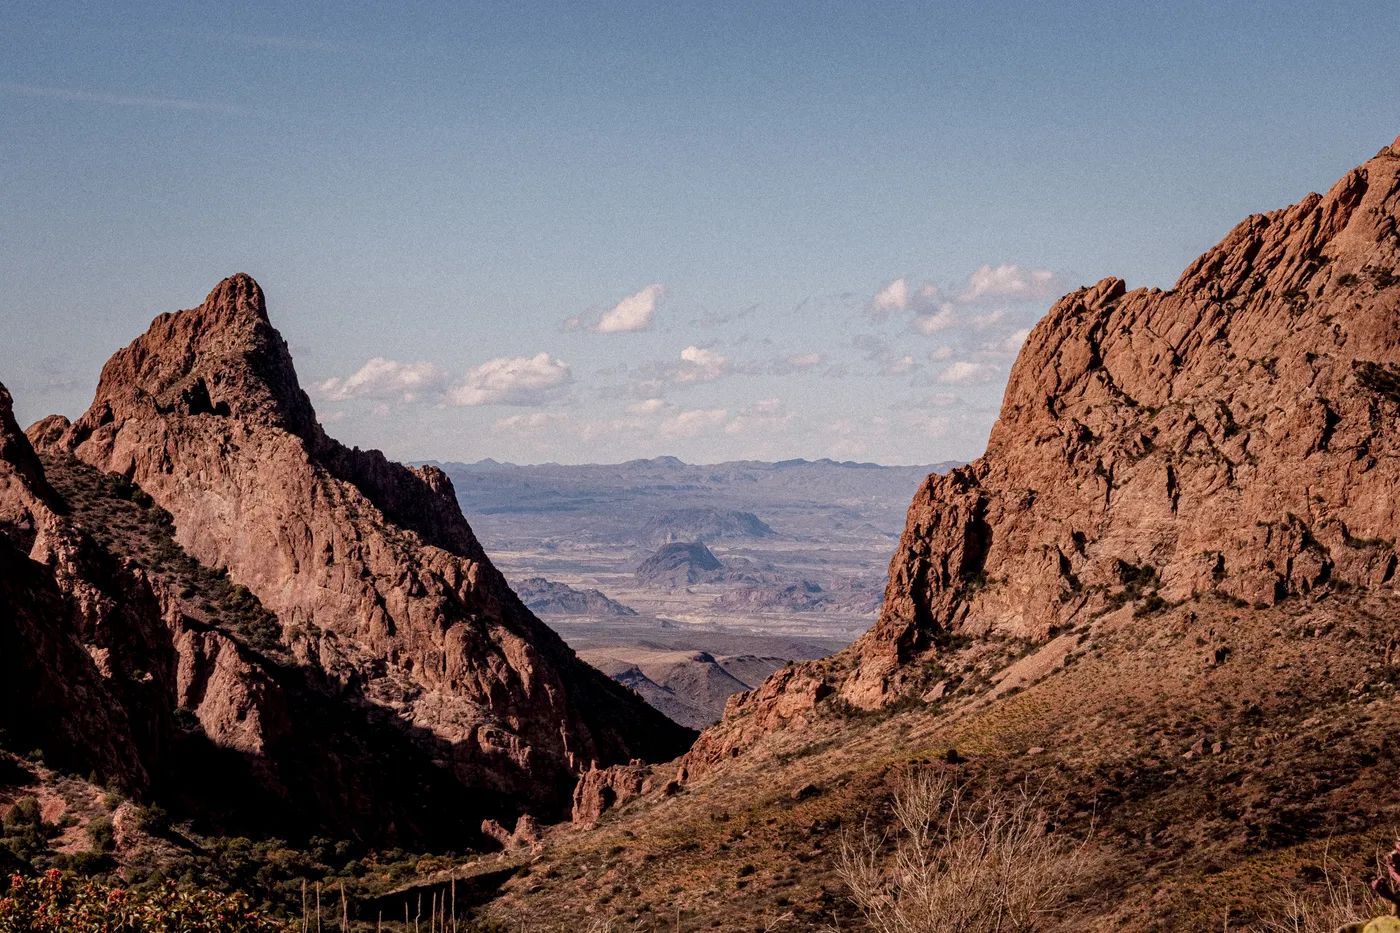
1234,436
678,564
84,659
390,612
602,789
546,596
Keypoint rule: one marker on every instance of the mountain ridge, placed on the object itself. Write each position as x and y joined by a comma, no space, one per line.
381,589
1165,597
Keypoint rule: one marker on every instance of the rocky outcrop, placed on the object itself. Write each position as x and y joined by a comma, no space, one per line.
114,665
1232,437
400,642
679,564
81,672
601,789
546,596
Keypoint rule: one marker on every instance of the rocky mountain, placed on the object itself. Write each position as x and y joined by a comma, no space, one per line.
1164,599
679,564
546,596
389,650
833,526
691,687
704,525
1226,439
76,627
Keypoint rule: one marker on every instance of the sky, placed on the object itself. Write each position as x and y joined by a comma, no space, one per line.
589,232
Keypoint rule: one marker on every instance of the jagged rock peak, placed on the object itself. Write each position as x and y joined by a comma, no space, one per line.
22,482
238,294
221,358
1223,436
1232,437
378,582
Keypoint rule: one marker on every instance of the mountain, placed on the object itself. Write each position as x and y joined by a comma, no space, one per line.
1163,602
365,667
678,564
75,626
547,596
690,687
780,528
705,525
1226,439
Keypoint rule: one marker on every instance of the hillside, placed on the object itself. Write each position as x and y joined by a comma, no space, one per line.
703,524
678,565
1164,597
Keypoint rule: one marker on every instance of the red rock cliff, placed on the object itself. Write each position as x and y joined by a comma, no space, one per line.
1235,435
379,584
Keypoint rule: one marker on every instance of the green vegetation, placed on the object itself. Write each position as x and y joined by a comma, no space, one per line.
53,902
121,517
26,833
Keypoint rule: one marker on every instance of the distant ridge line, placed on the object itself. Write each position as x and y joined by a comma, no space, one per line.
489,464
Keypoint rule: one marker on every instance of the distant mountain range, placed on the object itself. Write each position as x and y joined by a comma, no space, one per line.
651,502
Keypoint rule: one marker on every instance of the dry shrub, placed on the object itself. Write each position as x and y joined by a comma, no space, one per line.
962,864
1342,903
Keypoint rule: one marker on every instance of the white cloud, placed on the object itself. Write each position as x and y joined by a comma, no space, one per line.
700,365
893,297
902,365
532,423
613,430
1008,281
385,379
524,380
804,360
942,353
630,315
1011,343
931,322
652,406
932,313
898,296
696,365
933,425
694,422
965,372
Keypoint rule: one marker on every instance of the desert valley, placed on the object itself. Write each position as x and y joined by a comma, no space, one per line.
1133,668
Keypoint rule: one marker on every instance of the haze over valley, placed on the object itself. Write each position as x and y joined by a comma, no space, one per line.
712,576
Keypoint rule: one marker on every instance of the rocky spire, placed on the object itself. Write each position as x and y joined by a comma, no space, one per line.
379,584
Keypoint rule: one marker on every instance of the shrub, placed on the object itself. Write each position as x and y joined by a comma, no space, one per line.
959,865
153,820
53,902
102,834
26,833
1341,904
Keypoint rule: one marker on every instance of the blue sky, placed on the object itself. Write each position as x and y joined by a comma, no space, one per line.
596,231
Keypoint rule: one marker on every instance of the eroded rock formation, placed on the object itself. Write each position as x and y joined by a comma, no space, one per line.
1233,436
404,690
